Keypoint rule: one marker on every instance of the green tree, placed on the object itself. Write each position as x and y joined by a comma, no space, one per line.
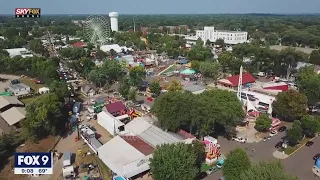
199,114
295,134
290,105
310,125
200,53
266,170
59,88
237,162
263,123
87,66
195,65
225,59
36,46
124,87
315,57
155,88
308,82
220,42
132,94
43,117
101,54
210,69
163,164
175,86
136,75
198,149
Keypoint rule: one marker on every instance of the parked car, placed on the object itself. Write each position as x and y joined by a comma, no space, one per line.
239,139
309,143
282,128
212,170
279,144
315,157
273,133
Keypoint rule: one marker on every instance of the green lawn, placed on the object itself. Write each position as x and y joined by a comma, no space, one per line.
29,82
28,100
291,149
205,167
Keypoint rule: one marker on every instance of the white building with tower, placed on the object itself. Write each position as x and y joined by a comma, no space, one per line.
114,21
209,33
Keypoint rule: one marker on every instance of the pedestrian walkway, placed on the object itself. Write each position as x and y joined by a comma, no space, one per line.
280,155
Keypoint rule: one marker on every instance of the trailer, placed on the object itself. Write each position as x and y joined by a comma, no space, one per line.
66,159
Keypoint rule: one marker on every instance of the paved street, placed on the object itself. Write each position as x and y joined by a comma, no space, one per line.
301,162
264,150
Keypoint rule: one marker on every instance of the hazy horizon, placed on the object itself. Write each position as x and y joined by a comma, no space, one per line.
166,7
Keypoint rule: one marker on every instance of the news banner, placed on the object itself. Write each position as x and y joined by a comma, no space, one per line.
33,163
27,12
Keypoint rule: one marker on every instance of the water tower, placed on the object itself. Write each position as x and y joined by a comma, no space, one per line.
114,21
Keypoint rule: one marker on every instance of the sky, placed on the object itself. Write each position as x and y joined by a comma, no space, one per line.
163,6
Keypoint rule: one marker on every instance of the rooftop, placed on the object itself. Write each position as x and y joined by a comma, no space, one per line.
18,86
7,100
117,152
79,44
246,78
18,52
115,107
14,115
227,31
150,133
139,144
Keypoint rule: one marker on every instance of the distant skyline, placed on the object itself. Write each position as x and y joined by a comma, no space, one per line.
165,6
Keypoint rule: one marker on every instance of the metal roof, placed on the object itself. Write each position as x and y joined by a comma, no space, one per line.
150,133
116,153
18,86
7,100
14,115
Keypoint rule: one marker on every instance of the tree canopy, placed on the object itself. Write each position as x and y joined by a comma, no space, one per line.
263,123
237,161
290,105
266,170
308,82
43,117
174,162
198,114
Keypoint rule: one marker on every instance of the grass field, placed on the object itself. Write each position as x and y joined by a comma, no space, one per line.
30,82
291,149
28,100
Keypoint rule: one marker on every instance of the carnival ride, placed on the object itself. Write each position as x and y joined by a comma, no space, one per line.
97,30
213,153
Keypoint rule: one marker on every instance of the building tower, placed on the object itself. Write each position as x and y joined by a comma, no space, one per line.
114,21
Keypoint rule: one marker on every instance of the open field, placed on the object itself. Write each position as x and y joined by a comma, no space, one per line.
30,82
279,48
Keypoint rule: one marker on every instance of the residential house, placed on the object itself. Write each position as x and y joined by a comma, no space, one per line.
19,89
88,90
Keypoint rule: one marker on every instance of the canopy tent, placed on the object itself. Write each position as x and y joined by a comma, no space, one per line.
188,72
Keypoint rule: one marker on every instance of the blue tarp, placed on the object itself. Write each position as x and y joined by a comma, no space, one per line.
318,163
73,119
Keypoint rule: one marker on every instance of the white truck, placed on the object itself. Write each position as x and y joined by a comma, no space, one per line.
239,139
68,169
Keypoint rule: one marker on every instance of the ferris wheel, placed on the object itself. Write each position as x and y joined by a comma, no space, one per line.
96,30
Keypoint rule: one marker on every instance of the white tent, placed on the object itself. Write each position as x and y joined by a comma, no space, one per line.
44,90
250,106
